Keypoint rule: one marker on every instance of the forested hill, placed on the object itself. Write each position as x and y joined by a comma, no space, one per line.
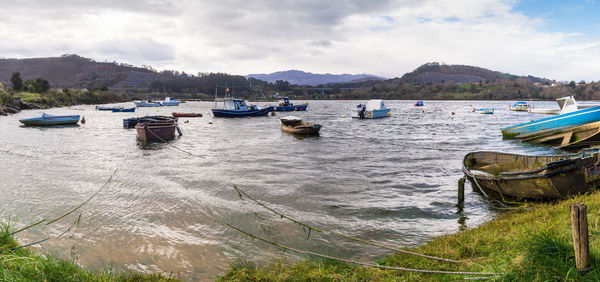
440,73
74,71
312,79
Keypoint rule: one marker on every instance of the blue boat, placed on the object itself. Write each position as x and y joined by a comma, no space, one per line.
558,122
128,110
169,102
132,122
419,103
286,106
238,108
373,109
46,119
486,111
146,104
107,108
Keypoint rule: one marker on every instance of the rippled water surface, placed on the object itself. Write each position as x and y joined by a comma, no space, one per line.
391,180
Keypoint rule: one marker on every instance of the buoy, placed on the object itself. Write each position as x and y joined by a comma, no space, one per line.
272,114
186,121
422,111
210,122
453,113
343,116
389,113
83,120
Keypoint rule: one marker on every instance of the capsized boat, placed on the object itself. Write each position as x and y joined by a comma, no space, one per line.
295,125
175,114
375,108
286,106
146,104
169,101
46,119
487,111
132,122
521,106
233,107
559,122
156,130
513,176
124,110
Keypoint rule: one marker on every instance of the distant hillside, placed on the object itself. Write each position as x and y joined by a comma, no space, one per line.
312,79
438,73
76,71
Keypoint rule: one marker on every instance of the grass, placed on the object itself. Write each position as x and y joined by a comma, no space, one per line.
25,265
533,243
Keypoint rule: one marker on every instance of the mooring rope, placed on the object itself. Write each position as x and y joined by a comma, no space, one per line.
284,247
162,140
240,192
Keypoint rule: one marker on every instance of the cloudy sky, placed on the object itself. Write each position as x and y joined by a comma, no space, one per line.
553,39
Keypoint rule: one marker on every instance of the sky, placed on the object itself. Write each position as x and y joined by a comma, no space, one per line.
552,39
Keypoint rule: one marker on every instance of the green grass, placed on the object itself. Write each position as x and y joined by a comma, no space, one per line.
25,265
533,243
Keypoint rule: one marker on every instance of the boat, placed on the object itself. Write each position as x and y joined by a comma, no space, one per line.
132,122
559,122
186,114
156,130
146,104
419,103
107,108
574,138
295,125
169,102
544,111
124,110
375,108
566,105
487,111
521,106
285,106
513,176
233,107
46,119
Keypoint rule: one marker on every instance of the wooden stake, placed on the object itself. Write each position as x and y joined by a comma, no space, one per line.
461,190
580,236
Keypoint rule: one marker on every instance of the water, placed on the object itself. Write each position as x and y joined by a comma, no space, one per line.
392,181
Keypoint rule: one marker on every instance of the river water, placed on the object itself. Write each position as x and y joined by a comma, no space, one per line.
392,181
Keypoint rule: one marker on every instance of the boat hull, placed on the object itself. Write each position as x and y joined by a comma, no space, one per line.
146,104
186,114
156,131
553,123
130,110
302,107
539,178
544,111
484,111
234,113
53,120
170,103
302,129
132,122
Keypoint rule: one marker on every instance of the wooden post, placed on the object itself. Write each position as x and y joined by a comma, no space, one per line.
580,235
461,191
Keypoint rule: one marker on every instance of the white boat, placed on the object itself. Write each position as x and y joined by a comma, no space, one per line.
146,104
487,111
566,104
169,101
375,108
521,106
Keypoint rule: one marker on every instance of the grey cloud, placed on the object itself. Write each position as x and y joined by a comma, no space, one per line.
137,50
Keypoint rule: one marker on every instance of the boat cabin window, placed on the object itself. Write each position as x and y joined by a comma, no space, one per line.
240,105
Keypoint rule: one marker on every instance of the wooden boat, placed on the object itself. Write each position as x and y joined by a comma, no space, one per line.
573,138
169,102
132,122
286,106
238,108
186,114
295,125
46,119
128,110
146,104
156,130
554,123
375,108
521,106
512,176
487,111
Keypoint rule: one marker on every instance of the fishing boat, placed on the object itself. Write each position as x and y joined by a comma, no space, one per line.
521,106
286,106
107,108
169,101
156,130
46,119
487,111
295,125
124,110
186,114
559,122
513,176
132,122
375,108
146,104
233,107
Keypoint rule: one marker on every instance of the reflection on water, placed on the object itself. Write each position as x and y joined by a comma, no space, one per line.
390,180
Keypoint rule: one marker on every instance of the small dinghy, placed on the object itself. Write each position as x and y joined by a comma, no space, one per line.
46,119
295,125
132,122
186,114
487,111
156,130
124,110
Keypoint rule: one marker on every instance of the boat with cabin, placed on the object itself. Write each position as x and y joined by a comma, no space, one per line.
521,107
375,108
286,106
169,101
46,119
295,125
233,107
146,104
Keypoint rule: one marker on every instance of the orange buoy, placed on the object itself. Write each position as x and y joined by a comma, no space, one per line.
83,120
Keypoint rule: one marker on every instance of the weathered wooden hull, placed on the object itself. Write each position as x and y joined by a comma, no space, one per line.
573,138
307,129
548,177
186,114
156,131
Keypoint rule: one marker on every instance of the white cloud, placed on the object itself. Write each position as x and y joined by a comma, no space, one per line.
336,36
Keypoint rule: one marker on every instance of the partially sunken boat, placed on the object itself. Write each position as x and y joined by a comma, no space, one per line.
559,122
295,125
519,177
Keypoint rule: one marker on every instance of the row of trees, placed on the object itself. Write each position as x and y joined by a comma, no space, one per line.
38,85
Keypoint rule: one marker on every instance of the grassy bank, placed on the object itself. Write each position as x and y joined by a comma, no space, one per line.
533,243
24,264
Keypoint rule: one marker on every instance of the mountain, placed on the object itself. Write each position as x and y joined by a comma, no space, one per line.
439,73
77,72
313,79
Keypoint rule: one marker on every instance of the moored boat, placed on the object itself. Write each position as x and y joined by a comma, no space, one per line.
124,110
156,130
132,122
286,106
375,108
487,111
559,122
146,104
107,108
169,101
573,138
46,119
520,106
175,114
295,125
419,103
513,176
238,108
